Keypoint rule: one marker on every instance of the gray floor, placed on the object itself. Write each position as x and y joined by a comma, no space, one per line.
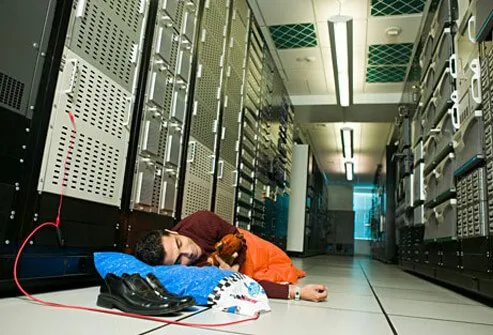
412,306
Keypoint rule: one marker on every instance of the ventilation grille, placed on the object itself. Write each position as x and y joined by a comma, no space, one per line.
242,10
156,191
210,55
201,167
11,91
225,184
99,102
99,36
92,167
196,198
128,11
206,95
197,194
237,57
396,7
291,36
214,21
225,194
225,206
238,30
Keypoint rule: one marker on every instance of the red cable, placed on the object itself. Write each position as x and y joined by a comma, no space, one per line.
91,309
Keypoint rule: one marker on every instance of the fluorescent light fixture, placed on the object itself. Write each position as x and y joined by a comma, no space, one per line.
341,38
347,142
349,170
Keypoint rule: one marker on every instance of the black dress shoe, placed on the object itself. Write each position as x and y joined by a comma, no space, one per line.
156,285
133,296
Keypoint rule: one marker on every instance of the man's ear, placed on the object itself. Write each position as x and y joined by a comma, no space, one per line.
171,232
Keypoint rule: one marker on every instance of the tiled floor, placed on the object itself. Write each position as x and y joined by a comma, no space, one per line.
411,305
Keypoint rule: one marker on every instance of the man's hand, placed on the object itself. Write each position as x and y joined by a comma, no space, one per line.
225,266
313,292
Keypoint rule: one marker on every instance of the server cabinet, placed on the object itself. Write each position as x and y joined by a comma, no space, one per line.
28,61
249,199
232,107
157,165
204,128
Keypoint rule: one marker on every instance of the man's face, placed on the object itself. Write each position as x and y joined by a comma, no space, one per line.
180,249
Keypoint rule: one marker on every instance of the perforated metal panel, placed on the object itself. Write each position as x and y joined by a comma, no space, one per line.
127,11
225,191
11,92
96,170
106,33
214,20
206,95
198,181
242,10
238,29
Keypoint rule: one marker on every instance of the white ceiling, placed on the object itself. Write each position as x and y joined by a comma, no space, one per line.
311,83
369,144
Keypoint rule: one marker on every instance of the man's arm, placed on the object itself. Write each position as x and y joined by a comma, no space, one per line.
310,292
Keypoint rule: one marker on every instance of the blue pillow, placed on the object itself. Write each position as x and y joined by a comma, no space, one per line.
179,279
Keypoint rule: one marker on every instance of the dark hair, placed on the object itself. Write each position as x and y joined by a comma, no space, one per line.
149,248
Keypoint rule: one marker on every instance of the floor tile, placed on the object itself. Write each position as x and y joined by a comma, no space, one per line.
438,310
445,296
291,319
346,301
330,281
413,326
179,330
406,284
44,319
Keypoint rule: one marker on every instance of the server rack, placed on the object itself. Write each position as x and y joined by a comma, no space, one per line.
449,236
208,98
232,111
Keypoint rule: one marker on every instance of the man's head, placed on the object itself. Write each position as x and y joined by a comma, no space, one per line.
167,247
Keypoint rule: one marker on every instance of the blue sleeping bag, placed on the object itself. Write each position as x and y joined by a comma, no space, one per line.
198,282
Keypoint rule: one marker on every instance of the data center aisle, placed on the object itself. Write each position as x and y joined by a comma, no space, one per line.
365,297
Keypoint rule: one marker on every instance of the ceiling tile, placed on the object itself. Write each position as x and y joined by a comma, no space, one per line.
359,69
302,58
396,7
389,54
324,9
359,32
311,81
277,12
296,87
385,74
408,24
329,71
290,36
323,34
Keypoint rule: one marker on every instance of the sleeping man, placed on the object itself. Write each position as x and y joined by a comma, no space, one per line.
192,240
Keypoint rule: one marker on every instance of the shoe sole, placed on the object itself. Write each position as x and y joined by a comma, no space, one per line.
109,301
